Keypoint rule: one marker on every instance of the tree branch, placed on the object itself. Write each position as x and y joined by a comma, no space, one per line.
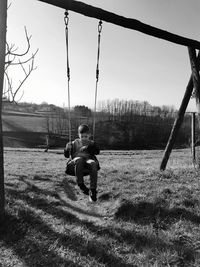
28,46
16,59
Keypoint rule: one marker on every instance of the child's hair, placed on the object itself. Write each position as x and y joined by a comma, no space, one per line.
83,128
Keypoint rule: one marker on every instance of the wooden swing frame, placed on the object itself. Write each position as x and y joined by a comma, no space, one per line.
194,81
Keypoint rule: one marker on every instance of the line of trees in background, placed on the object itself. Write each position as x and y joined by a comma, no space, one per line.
138,125
120,124
124,124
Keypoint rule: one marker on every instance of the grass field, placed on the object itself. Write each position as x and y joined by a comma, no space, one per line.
24,122
143,217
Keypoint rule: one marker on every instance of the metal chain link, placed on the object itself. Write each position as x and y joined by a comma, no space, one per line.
66,20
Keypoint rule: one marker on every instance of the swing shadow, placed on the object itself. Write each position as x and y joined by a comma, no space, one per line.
59,200
69,190
90,213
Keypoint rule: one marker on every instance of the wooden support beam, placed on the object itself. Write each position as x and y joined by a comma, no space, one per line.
193,135
133,24
195,77
180,116
3,17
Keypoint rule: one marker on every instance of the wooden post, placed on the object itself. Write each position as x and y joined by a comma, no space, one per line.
179,120
193,136
47,143
196,78
3,17
100,14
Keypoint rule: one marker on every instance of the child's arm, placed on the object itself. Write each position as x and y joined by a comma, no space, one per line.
68,150
93,149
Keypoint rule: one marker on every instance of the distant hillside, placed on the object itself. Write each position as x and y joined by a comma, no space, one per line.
18,122
33,108
25,125
23,129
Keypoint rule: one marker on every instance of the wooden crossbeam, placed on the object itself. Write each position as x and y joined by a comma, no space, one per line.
98,13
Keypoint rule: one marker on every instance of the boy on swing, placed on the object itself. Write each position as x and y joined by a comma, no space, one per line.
83,161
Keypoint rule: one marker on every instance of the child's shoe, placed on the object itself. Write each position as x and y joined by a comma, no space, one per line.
84,189
93,195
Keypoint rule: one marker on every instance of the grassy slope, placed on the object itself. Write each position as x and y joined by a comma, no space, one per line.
23,129
143,217
22,122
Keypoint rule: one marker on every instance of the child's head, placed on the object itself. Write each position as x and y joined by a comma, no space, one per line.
84,132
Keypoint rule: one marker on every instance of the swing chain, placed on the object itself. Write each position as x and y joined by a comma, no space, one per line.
98,53
66,20
97,75
100,26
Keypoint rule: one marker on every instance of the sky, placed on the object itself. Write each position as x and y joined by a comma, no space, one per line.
133,66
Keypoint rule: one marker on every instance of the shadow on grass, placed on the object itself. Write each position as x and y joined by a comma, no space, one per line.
40,202
105,196
40,245
41,178
33,252
69,191
9,184
42,248
146,212
137,240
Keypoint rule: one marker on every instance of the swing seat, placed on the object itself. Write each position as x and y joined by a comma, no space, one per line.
70,169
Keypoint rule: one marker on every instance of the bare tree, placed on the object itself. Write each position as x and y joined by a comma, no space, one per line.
9,56
22,60
3,17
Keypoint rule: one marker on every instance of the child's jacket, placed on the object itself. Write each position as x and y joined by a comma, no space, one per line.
79,150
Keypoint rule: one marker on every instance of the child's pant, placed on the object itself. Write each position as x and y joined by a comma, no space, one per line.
80,165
